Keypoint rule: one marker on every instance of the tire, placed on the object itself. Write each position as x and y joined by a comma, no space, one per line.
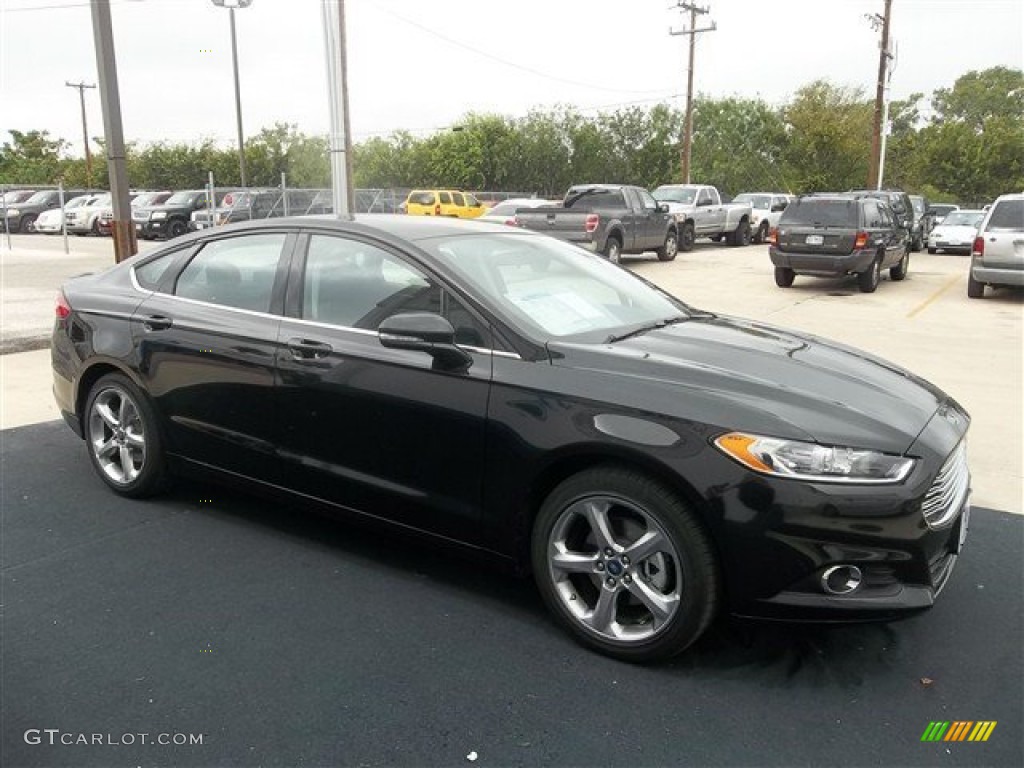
899,272
123,438
176,228
686,237
932,251
868,280
741,236
613,250
95,228
668,251
661,601
784,277
975,290
762,233
27,223
917,244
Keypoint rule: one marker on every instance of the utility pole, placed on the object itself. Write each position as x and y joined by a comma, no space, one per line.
85,128
125,244
694,10
883,66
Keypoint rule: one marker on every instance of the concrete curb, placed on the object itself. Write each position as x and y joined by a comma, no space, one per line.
10,346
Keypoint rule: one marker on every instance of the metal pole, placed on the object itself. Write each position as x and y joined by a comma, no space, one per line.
3,205
211,200
883,64
63,221
284,193
125,245
885,136
337,93
238,100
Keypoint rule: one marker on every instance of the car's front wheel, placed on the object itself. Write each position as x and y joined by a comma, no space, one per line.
123,439
176,228
668,251
624,564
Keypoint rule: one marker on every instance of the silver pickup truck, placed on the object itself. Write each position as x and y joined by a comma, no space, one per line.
700,212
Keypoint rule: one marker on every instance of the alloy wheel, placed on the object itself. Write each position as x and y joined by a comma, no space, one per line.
117,436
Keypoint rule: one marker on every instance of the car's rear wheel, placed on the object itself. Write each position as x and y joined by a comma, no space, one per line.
686,237
668,251
932,250
975,290
762,233
28,223
899,272
176,228
741,235
624,564
784,277
123,439
869,279
613,250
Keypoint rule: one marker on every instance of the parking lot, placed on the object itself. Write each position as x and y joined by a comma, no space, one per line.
285,639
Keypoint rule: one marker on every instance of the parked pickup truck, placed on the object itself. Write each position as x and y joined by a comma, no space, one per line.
700,212
611,219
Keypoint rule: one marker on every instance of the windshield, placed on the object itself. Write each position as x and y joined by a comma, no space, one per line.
820,213
180,198
101,200
17,197
942,209
756,201
41,197
235,200
674,195
918,203
76,202
963,219
549,288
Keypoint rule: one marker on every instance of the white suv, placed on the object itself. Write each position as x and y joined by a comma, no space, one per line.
997,257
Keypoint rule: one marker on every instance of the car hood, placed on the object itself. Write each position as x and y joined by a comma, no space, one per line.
742,375
955,230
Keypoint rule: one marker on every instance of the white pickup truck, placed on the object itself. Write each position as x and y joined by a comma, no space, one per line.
700,212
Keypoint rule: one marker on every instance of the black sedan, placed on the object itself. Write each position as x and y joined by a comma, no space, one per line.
650,463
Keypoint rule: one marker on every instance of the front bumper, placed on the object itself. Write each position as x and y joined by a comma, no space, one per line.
151,228
823,264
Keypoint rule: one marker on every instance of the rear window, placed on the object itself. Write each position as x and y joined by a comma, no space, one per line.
595,198
821,213
421,198
1008,214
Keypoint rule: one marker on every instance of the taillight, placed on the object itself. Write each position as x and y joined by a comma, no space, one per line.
773,236
978,249
437,209
513,222
862,240
63,308
592,221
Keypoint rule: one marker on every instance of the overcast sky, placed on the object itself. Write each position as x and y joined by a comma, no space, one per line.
421,64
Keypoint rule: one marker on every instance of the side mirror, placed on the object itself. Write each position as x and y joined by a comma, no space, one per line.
663,207
425,332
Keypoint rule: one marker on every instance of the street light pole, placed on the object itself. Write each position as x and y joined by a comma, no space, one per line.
231,5
337,96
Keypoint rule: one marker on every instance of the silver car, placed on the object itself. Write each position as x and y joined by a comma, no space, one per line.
997,257
956,232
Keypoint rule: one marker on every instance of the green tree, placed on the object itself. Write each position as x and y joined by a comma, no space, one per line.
31,157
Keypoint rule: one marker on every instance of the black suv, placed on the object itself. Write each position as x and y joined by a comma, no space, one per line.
830,235
21,217
171,218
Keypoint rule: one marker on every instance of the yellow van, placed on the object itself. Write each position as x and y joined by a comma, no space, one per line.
443,202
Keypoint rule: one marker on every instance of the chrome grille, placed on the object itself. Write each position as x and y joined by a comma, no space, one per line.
949,491
140,215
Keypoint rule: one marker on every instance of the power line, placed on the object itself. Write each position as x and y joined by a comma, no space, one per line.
506,62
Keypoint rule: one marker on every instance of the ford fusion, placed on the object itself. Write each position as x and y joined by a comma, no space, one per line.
651,464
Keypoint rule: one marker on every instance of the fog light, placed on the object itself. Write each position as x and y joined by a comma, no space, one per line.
841,579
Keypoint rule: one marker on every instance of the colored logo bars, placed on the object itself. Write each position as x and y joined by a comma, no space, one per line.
960,730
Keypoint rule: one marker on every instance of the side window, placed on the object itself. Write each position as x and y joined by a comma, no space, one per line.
704,198
472,201
446,198
871,217
149,274
647,200
357,285
458,199
886,217
237,272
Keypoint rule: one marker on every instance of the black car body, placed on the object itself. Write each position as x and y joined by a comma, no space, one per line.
381,370
169,219
831,235
21,217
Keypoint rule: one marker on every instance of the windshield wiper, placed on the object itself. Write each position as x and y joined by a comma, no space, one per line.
645,328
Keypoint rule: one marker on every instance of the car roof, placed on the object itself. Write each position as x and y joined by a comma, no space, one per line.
394,224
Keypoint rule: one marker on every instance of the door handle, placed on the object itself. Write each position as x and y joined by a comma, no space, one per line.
157,322
304,349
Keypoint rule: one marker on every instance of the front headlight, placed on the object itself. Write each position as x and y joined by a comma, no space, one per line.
13,212
158,215
809,461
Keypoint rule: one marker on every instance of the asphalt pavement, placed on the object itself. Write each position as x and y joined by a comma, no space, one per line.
282,638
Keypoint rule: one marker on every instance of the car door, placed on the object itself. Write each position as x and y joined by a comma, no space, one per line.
369,428
655,222
705,217
633,220
447,204
206,341
889,232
